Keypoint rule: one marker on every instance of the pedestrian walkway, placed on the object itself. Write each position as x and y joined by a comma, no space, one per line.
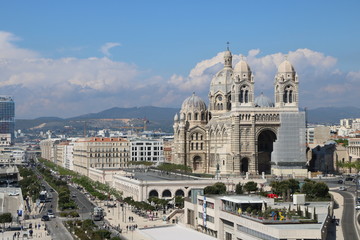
338,213
129,222
37,232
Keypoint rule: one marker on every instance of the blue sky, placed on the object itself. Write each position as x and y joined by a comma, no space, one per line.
65,58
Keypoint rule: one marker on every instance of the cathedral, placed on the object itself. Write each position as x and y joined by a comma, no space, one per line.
238,133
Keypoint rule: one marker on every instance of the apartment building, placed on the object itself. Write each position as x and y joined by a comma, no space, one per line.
100,153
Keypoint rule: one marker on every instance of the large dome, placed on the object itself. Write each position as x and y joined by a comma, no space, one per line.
242,67
263,101
285,66
193,103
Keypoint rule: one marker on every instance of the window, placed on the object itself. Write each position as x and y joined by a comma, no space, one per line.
228,236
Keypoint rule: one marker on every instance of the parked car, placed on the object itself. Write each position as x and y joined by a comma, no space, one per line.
340,181
45,218
349,179
342,188
357,207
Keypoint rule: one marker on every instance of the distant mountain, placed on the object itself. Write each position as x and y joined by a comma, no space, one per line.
162,118
149,112
158,118
332,115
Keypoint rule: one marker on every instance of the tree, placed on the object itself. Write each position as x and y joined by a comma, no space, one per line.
5,218
285,188
217,188
239,189
250,187
315,190
179,201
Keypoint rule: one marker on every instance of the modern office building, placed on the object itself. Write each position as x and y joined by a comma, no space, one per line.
7,116
239,133
147,150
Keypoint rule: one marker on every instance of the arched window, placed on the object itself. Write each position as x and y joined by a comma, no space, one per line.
192,146
201,146
285,96
196,116
246,96
290,96
197,146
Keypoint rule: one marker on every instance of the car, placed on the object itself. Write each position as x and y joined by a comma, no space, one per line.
51,190
341,181
51,215
45,218
349,179
342,188
357,207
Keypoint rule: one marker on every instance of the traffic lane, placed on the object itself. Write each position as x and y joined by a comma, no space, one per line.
57,229
85,205
348,217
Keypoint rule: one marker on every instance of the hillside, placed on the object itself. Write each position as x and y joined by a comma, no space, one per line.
161,118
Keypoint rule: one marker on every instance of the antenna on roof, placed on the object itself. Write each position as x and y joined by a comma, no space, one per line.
227,43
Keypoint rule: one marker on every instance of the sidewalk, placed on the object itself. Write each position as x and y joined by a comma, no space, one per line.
338,213
37,233
117,217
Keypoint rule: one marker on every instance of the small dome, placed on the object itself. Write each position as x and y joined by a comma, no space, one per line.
263,101
242,66
227,54
176,117
193,103
285,66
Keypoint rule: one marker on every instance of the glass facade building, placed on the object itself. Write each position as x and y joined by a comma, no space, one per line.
7,116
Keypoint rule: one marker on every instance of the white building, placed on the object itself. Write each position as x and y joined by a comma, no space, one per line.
149,150
5,139
64,154
228,218
48,148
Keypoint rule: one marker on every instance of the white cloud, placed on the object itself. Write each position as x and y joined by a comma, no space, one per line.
8,49
107,46
68,87
321,82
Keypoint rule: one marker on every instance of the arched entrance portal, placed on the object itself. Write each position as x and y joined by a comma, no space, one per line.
244,165
265,144
196,163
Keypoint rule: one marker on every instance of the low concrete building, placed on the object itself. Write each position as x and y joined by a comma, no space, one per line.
228,218
142,184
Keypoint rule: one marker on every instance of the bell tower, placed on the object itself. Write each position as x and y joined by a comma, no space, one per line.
286,86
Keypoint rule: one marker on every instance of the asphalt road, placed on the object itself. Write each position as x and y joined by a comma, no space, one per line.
348,217
85,206
55,226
